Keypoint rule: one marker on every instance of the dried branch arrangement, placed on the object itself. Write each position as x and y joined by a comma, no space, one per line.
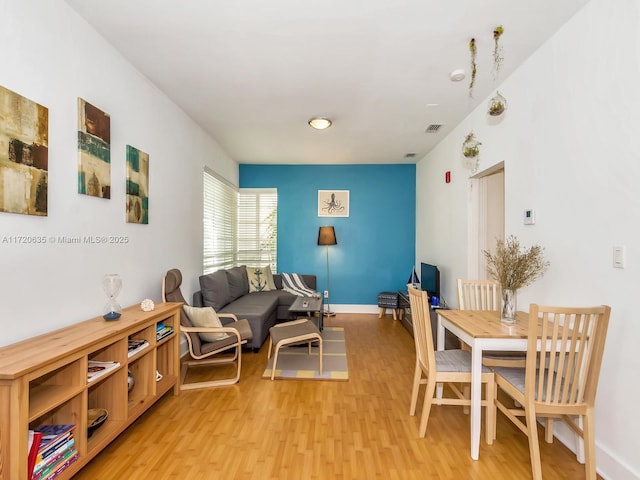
513,266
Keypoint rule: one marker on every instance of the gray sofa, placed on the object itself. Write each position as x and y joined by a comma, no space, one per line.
227,291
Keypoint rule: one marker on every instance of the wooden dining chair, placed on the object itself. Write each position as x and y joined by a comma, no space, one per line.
564,354
485,295
445,366
478,295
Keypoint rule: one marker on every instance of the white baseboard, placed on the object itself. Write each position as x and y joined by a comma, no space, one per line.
344,308
608,466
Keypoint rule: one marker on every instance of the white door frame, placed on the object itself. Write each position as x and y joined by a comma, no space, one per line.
479,216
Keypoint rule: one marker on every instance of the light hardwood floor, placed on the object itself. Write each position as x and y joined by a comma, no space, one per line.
287,429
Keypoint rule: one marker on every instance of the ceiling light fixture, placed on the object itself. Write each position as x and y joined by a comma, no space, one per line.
320,123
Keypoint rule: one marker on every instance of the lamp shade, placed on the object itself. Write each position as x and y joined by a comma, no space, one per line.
327,236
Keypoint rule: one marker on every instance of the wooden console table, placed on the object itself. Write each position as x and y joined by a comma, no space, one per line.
43,380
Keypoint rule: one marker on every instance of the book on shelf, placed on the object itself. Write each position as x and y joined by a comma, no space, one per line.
59,467
34,446
54,462
55,455
135,346
97,369
52,447
53,433
162,331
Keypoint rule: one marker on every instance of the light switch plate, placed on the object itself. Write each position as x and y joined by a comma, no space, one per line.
619,252
529,217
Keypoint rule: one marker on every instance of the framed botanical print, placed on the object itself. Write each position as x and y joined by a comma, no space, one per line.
333,203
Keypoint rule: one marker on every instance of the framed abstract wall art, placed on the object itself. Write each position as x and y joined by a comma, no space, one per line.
94,151
333,203
24,155
137,186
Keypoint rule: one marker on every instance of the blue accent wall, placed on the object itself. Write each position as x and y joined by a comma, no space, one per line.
376,243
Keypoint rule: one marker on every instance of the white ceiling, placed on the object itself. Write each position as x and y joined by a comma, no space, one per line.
252,72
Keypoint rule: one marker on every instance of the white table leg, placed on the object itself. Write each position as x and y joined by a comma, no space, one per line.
476,398
440,346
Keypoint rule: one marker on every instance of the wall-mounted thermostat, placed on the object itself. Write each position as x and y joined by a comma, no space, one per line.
529,217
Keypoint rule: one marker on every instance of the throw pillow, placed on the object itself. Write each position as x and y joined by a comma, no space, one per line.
205,317
260,279
294,283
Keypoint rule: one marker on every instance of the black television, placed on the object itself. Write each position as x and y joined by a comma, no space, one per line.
430,279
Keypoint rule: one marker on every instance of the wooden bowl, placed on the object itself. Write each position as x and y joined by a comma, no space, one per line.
95,419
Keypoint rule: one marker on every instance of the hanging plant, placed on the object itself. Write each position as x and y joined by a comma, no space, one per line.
471,152
470,146
474,53
498,58
497,105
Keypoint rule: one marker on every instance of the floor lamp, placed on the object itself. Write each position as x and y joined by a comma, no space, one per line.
326,237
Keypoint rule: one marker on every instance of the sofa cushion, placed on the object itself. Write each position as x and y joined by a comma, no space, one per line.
260,279
215,289
205,317
270,281
238,283
254,305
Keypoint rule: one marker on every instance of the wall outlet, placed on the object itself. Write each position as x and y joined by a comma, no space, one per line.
326,294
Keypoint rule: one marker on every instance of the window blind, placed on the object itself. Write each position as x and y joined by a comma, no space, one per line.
220,220
258,227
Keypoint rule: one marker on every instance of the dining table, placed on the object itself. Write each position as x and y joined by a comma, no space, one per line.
482,331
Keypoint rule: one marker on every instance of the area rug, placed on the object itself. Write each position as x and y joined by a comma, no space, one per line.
294,362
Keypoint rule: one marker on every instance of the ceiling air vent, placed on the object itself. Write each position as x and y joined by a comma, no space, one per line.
409,155
433,128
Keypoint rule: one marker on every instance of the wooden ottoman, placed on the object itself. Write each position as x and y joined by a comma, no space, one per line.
289,333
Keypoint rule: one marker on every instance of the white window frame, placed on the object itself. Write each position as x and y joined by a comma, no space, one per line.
239,225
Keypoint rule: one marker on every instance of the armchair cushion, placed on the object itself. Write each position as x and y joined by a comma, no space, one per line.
205,317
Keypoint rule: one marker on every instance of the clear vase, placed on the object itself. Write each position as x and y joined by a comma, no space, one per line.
509,306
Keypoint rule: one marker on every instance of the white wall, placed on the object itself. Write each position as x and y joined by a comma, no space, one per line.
569,142
51,56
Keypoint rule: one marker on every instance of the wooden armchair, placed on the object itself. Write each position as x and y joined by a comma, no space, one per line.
570,346
445,366
204,352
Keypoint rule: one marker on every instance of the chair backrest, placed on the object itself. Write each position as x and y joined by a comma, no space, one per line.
171,293
478,295
425,351
571,347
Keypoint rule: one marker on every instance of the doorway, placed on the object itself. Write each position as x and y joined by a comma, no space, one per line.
486,217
